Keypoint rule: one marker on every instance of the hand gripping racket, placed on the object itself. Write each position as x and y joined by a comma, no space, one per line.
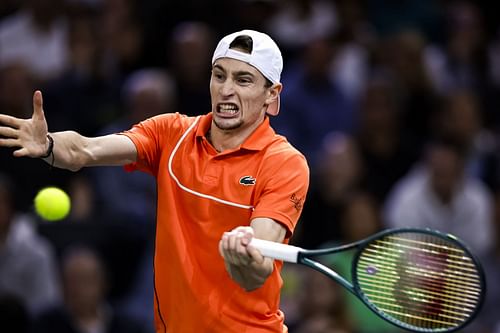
418,279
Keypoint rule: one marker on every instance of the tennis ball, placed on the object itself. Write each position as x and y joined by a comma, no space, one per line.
52,204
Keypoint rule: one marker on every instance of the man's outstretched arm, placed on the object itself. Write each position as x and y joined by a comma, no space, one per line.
70,151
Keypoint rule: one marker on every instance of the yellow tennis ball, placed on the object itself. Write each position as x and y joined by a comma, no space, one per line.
52,204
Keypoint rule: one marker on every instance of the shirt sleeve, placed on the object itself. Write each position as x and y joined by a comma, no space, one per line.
150,137
283,193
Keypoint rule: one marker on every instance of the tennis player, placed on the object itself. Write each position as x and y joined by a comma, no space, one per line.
223,178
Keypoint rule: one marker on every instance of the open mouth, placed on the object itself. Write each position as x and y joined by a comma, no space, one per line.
227,110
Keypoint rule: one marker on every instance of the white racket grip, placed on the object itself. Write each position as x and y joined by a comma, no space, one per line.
288,253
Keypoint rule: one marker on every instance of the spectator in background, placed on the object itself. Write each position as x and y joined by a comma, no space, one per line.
465,58
460,61
313,105
387,152
296,23
27,260
36,37
360,217
123,36
16,83
138,301
461,119
322,306
82,192
337,177
85,95
132,197
353,44
401,56
389,17
190,46
250,14
438,194
85,308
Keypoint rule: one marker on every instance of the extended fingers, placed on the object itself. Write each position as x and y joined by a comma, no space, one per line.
9,137
8,132
10,121
9,143
37,104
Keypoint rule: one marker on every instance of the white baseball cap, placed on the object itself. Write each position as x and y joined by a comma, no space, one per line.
265,56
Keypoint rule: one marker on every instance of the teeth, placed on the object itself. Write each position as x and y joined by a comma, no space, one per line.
230,108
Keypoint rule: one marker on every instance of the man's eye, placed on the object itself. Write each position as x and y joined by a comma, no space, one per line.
244,80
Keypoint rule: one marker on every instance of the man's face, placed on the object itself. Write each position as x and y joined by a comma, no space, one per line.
446,169
239,96
84,283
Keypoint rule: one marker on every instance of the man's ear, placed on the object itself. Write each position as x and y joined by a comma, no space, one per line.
273,99
274,92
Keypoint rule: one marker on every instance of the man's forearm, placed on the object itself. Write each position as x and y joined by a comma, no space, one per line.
68,151
73,151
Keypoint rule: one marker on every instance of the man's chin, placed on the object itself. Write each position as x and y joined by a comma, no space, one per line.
227,124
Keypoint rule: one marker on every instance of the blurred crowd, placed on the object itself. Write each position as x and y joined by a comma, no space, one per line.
395,104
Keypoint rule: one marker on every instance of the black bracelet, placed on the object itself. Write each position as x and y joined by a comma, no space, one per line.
50,148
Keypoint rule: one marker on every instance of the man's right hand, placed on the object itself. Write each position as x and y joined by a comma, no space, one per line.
29,135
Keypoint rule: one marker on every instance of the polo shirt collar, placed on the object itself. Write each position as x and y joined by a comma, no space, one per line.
260,138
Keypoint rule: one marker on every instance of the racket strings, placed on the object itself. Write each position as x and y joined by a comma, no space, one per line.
451,315
467,281
421,280
439,270
453,295
453,261
454,254
408,299
449,303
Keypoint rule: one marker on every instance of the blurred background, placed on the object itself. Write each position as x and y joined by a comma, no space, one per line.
395,104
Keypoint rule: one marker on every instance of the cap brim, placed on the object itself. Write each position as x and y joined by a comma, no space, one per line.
274,108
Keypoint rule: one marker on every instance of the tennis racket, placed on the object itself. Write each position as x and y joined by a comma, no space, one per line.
421,280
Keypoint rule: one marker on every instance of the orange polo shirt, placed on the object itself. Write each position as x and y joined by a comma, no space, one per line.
201,194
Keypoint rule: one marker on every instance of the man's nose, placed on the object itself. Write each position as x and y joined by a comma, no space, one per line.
227,88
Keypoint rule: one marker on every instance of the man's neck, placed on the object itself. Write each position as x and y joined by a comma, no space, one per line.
223,140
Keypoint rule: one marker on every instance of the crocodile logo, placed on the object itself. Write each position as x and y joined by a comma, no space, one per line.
247,181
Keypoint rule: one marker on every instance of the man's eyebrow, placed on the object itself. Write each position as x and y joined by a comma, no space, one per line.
219,67
238,73
242,73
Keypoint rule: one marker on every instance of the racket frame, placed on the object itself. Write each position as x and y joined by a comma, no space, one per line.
294,254
445,236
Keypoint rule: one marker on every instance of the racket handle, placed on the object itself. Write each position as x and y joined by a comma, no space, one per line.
276,250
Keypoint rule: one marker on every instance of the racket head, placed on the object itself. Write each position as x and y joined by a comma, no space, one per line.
419,279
